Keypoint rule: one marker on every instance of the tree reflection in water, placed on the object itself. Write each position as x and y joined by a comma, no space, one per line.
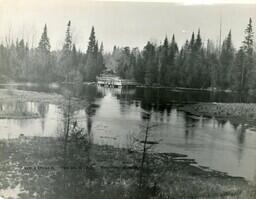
74,167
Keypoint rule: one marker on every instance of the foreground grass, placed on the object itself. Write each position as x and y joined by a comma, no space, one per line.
38,168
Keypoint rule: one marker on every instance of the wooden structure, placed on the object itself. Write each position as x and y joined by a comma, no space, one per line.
114,81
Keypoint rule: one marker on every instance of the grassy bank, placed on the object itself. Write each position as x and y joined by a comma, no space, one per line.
38,168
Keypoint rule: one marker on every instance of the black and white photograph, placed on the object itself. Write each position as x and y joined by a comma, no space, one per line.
127,99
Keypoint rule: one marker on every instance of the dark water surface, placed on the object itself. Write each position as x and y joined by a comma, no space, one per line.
114,117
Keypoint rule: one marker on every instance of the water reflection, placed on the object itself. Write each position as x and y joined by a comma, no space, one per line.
20,107
28,118
112,114
189,127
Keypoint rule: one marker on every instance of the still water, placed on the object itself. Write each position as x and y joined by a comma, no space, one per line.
115,116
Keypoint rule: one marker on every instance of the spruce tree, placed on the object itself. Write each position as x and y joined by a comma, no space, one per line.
94,59
100,66
238,71
248,41
226,62
43,58
163,63
92,43
74,57
192,65
67,47
247,66
44,43
172,70
198,42
212,65
65,62
101,48
192,40
151,70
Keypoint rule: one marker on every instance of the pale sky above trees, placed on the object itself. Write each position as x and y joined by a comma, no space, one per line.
124,23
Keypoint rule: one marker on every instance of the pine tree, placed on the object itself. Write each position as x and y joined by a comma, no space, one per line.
101,48
194,63
94,59
124,63
65,65
92,43
89,72
247,69
43,60
138,66
238,71
44,44
189,65
192,40
67,47
212,65
183,64
74,57
198,42
100,66
226,62
151,70
163,63
172,70
248,41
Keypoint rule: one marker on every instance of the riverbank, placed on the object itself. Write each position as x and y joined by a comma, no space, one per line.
34,167
184,88
237,112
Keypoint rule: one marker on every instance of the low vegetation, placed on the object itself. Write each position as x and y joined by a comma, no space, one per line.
40,169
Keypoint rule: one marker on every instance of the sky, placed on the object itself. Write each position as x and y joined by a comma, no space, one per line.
124,23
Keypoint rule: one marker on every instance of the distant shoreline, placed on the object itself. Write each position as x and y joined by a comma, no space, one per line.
237,112
138,86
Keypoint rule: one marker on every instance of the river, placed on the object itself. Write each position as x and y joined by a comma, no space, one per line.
114,117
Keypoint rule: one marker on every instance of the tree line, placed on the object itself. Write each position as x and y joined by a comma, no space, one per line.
195,64
40,64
